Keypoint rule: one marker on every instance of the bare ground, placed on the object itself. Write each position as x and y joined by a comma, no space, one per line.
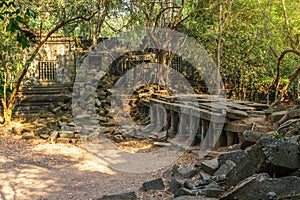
36,169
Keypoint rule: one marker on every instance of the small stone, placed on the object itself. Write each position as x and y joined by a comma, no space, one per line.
170,173
295,139
156,184
226,168
118,138
186,171
44,136
130,134
249,138
175,184
234,156
118,131
66,134
124,196
72,124
27,136
53,136
203,182
219,178
188,184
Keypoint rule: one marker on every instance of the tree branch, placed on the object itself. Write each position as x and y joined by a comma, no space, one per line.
31,58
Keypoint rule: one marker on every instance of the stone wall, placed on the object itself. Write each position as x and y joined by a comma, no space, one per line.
59,52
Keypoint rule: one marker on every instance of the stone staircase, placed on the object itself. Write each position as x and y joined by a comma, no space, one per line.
38,99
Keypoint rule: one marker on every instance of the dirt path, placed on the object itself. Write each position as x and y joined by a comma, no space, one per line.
38,170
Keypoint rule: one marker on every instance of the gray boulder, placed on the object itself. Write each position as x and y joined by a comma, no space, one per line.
181,172
234,156
156,184
275,157
249,138
261,186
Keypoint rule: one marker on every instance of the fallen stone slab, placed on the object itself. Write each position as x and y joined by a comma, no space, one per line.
124,196
212,190
186,192
210,166
162,144
156,184
187,171
226,168
180,172
276,116
237,126
234,156
275,157
261,186
249,138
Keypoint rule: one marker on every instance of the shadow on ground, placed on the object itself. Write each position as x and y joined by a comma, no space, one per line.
37,170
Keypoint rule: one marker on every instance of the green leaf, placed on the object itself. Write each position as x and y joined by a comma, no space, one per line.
20,19
0,57
30,13
18,11
11,4
24,42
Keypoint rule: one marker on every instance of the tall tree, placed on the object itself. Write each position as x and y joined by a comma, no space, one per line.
292,37
161,14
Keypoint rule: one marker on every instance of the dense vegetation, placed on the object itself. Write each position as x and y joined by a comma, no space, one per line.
255,43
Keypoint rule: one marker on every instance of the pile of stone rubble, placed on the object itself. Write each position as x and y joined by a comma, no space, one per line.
269,169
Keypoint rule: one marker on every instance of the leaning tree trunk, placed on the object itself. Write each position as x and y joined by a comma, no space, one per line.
292,77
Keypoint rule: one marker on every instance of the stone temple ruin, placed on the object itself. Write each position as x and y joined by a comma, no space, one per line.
49,83
245,128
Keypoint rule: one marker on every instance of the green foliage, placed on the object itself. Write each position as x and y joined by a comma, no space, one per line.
13,42
251,32
278,136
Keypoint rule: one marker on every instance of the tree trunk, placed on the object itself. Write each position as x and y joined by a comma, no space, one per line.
292,77
218,52
7,114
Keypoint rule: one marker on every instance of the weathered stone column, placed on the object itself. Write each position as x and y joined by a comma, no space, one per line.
173,124
230,138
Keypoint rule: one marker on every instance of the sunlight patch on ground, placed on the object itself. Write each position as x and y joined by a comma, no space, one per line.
4,159
25,182
84,161
93,165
